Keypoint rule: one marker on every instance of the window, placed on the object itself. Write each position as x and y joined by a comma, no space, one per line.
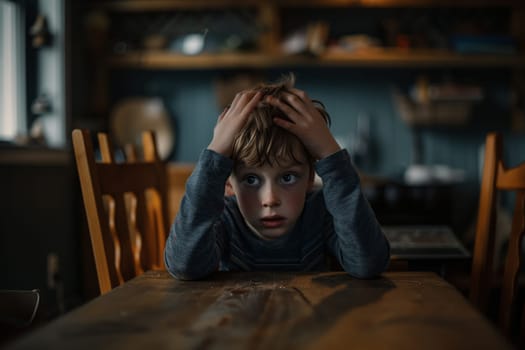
12,71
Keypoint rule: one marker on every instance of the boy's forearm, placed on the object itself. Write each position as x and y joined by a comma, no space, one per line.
360,244
191,250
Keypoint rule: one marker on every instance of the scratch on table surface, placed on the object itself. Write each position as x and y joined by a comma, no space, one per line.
254,314
243,305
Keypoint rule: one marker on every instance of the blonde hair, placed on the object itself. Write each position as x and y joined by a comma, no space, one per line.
261,141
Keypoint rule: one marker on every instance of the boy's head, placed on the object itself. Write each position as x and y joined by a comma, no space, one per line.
273,171
263,142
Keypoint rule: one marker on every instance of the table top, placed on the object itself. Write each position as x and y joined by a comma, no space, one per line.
273,310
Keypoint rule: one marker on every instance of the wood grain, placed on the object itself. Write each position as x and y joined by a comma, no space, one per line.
401,310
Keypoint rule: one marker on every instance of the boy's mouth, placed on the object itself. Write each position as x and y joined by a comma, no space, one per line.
273,221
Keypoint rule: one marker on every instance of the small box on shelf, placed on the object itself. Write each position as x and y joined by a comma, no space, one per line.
433,113
445,104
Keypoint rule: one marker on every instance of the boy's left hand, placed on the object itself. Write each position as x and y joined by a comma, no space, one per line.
306,122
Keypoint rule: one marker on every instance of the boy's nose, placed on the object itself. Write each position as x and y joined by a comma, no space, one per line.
270,197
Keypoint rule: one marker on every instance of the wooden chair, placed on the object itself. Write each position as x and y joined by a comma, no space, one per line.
126,207
497,177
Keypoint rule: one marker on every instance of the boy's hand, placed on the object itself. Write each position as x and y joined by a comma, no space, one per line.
306,122
231,121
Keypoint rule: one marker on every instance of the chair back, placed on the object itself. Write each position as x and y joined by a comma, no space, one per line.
497,177
126,207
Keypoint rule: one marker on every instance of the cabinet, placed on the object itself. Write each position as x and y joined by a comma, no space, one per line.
271,21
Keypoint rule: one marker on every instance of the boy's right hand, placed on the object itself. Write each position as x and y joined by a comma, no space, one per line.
231,121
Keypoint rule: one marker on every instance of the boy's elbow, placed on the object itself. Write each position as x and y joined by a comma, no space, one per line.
368,267
185,275
184,272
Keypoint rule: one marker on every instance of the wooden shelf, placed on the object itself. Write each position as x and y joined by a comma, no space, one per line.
269,41
158,5
372,59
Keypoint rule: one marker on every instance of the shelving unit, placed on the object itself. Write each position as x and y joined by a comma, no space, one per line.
274,20
268,53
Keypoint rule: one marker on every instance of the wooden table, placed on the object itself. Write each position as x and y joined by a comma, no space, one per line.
401,310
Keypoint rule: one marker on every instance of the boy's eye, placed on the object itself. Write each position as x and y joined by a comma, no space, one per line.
251,180
288,179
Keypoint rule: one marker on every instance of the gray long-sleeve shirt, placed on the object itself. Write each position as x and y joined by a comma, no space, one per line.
209,232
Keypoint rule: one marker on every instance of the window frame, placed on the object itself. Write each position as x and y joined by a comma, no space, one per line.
13,95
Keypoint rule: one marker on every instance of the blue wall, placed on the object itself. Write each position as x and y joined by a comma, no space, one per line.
189,96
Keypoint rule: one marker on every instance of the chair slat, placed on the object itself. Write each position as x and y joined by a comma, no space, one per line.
130,200
150,149
157,219
482,259
512,265
106,148
112,244
511,179
131,153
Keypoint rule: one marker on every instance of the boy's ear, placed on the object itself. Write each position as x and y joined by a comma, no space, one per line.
228,189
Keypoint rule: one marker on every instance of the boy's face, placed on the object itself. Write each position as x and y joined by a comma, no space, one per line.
271,198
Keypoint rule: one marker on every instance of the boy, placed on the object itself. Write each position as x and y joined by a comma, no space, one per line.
265,149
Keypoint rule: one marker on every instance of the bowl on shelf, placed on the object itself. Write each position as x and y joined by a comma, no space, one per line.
133,115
